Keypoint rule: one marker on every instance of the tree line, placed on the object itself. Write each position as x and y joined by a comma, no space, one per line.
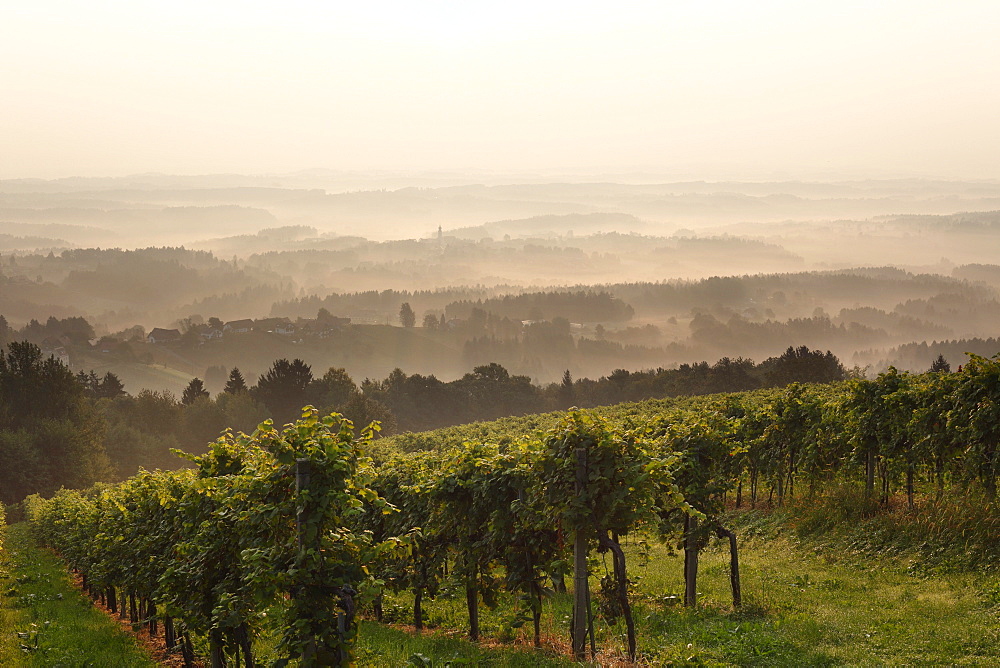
418,402
62,429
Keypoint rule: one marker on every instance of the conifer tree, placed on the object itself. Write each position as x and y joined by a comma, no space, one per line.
940,364
236,383
194,390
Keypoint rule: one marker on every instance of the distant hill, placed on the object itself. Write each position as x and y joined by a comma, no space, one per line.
543,227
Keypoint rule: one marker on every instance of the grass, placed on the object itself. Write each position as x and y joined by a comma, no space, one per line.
385,647
821,606
807,602
45,621
804,605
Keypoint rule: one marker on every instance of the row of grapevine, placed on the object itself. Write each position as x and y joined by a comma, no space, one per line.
888,434
207,551
894,432
506,519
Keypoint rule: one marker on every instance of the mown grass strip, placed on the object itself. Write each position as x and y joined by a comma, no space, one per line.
46,621
386,647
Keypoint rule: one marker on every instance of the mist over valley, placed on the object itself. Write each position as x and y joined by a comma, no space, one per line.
542,278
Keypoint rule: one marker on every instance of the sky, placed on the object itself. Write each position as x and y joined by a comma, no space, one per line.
707,90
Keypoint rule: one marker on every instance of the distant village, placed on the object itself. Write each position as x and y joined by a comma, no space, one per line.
58,346
215,330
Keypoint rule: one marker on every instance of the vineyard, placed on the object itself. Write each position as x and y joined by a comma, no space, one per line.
303,530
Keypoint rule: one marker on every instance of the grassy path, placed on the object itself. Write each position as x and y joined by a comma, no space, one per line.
45,621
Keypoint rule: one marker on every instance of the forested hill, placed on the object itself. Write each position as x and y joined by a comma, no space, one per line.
106,303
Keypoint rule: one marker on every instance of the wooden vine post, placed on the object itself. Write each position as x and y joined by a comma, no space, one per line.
345,604
734,564
690,560
581,582
610,542
734,570
303,474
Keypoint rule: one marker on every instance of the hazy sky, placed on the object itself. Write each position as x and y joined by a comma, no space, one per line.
704,89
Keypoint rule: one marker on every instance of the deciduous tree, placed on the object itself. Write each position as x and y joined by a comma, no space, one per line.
406,315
